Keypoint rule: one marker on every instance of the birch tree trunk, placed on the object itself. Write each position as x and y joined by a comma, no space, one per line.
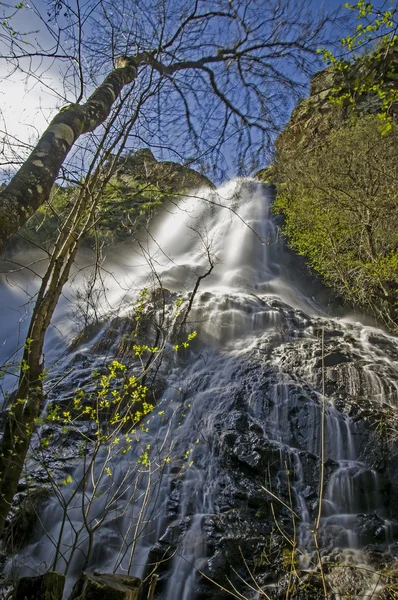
31,185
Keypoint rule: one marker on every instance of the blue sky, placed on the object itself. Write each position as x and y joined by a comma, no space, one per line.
28,103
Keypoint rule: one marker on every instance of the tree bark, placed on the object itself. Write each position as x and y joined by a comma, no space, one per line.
20,423
31,185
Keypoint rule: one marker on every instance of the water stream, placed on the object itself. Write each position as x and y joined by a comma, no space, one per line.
242,413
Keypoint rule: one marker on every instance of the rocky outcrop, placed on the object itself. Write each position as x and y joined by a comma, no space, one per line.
49,586
143,166
335,172
106,587
315,117
131,198
140,186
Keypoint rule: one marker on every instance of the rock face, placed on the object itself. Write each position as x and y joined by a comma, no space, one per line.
145,168
333,192
140,186
255,409
44,587
264,429
316,116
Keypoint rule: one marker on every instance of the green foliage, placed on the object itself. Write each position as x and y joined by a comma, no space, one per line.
379,22
177,305
140,307
368,73
185,344
6,26
340,202
112,419
116,408
129,201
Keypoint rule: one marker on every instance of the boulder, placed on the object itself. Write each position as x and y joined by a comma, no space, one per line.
106,586
49,586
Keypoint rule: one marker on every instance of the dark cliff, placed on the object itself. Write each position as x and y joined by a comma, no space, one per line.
336,170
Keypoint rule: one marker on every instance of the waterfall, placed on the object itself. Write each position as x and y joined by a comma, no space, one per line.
239,418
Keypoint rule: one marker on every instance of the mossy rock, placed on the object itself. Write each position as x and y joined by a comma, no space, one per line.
106,587
267,175
322,112
335,173
131,198
49,586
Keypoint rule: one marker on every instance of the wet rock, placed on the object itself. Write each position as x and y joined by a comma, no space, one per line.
245,451
23,518
159,556
159,559
85,335
335,358
174,500
259,429
174,532
106,587
372,529
49,586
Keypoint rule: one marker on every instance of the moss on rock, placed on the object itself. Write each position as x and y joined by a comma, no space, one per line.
140,185
336,173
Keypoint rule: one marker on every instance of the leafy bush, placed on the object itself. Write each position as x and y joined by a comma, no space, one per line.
340,203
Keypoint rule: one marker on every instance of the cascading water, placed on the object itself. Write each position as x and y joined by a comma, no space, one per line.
241,427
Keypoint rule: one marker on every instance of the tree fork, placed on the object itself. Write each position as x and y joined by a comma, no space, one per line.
31,186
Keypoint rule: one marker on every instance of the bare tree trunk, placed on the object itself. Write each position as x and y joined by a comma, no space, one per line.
31,186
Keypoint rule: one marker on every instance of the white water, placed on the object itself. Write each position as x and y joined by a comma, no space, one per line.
256,313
